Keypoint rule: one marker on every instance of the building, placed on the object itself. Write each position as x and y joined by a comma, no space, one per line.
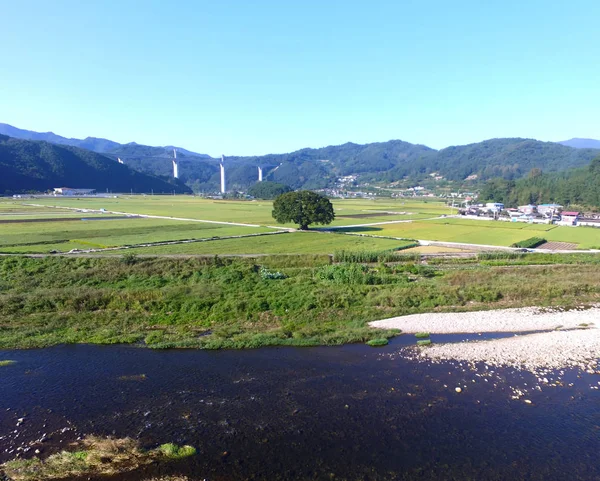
71,191
527,209
494,206
548,209
569,218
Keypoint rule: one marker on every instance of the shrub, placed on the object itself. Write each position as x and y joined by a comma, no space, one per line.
530,243
424,342
172,451
422,335
377,342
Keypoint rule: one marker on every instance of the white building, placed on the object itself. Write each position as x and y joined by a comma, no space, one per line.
494,206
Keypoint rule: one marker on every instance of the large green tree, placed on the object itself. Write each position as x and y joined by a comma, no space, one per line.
303,208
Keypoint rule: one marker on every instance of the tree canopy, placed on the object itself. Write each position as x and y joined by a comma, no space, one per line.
580,187
268,190
303,208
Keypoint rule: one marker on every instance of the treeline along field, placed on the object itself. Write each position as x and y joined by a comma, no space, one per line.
245,303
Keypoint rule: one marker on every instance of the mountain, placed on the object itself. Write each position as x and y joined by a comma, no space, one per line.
581,143
29,165
102,146
509,158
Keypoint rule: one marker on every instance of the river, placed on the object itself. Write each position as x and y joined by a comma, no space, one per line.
351,412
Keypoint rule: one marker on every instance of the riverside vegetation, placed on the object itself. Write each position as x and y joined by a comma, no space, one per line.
216,303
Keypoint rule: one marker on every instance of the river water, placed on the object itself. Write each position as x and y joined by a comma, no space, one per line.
351,412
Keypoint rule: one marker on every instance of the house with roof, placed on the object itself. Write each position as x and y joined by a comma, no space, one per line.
568,218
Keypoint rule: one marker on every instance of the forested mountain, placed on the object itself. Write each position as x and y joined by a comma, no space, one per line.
27,165
582,143
576,187
318,168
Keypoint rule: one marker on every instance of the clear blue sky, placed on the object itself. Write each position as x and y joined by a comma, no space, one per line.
254,77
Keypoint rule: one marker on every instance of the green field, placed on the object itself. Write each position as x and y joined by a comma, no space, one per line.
484,232
66,235
288,243
250,212
356,215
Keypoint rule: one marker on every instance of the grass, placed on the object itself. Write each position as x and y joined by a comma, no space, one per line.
7,363
494,233
93,456
64,236
424,342
378,342
289,243
214,303
172,451
530,243
422,335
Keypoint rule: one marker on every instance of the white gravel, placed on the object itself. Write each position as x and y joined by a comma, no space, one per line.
555,350
579,347
500,320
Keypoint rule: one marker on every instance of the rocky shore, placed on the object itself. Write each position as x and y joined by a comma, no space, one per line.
571,339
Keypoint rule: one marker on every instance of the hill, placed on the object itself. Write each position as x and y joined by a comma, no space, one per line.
309,168
576,187
581,143
102,146
28,165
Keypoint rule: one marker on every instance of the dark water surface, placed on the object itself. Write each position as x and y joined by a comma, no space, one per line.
351,412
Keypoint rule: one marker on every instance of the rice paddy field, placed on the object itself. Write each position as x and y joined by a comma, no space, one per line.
285,243
47,224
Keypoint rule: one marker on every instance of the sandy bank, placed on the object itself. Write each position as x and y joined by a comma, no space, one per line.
500,320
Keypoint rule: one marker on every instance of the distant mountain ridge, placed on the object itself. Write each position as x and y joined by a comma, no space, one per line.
33,165
581,143
509,158
101,146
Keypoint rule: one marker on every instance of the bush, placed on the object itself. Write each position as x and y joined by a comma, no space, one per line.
376,256
424,342
172,451
422,335
377,342
530,243
267,274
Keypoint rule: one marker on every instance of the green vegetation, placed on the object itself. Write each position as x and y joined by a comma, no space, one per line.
376,256
38,166
424,342
172,451
577,187
227,303
64,236
530,243
286,244
93,456
303,208
422,335
7,363
378,342
268,190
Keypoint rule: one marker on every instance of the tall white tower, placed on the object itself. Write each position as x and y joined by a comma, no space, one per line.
260,174
222,174
175,166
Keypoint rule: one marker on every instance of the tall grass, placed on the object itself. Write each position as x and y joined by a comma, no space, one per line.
375,256
228,303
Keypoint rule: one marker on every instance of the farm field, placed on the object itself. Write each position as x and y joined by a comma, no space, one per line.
32,237
288,243
348,212
484,232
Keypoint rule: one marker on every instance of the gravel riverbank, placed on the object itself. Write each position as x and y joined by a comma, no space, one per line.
575,344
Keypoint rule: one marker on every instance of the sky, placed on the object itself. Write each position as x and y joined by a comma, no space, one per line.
272,76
